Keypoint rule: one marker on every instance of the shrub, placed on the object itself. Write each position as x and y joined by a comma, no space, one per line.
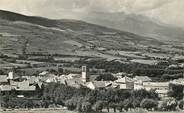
181,104
149,104
169,104
176,91
86,107
98,106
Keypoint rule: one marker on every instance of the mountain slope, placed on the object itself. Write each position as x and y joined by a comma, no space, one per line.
10,16
21,34
138,24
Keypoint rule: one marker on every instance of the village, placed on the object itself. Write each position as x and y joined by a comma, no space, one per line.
24,86
81,67
30,83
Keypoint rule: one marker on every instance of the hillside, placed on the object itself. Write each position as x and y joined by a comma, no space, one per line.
138,24
24,34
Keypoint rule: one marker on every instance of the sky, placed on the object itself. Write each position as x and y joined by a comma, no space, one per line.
166,11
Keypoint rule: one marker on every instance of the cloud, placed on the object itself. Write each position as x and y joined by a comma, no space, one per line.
146,5
168,11
125,5
29,6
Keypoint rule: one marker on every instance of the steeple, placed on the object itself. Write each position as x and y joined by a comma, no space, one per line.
11,75
85,76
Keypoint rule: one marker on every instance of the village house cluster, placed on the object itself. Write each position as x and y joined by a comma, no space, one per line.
32,83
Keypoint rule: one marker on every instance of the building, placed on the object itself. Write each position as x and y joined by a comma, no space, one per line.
75,82
22,86
96,85
3,79
179,81
125,83
11,75
48,78
161,88
6,88
138,81
85,76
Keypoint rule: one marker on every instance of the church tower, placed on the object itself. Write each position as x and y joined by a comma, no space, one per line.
85,76
10,75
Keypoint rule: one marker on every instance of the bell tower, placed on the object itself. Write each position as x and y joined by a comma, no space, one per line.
85,76
11,75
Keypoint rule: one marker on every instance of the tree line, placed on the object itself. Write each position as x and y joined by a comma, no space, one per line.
86,100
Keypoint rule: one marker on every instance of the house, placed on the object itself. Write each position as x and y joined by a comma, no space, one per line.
138,81
32,79
24,86
161,87
120,74
96,85
179,81
43,73
71,76
5,88
3,79
110,84
49,78
75,82
125,83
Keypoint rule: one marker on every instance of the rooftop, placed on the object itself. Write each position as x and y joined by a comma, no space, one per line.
124,80
3,78
142,78
159,84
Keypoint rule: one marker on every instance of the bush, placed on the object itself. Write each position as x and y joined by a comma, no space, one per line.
176,91
169,105
148,104
131,103
71,104
181,104
86,107
120,106
98,106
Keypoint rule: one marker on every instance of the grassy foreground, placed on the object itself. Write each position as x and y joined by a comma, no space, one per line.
63,111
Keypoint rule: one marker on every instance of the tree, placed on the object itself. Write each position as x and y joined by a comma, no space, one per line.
131,103
148,104
98,106
127,104
169,104
181,104
2,72
71,104
120,106
113,105
86,107
176,91
75,103
142,94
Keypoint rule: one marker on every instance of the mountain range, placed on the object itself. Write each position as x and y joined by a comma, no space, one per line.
137,24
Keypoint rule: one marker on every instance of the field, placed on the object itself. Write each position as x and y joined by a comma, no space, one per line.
64,111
